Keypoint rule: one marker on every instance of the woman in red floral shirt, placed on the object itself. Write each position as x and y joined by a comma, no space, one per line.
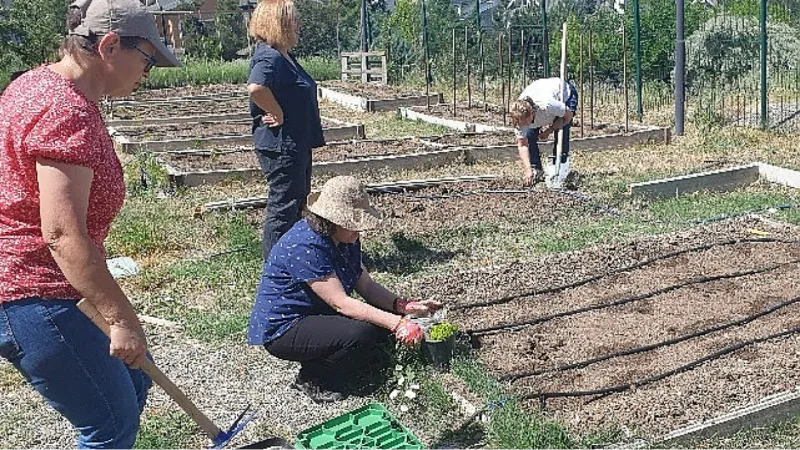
61,186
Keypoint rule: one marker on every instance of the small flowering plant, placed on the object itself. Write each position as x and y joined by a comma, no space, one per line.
441,331
404,387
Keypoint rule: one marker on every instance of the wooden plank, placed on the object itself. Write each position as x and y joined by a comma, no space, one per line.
420,160
358,54
348,100
393,104
125,145
718,180
411,114
768,411
260,201
779,175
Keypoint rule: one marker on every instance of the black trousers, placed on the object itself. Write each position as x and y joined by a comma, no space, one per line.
288,172
330,348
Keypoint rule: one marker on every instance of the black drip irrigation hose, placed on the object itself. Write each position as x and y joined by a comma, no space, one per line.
512,377
601,393
623,301
638,265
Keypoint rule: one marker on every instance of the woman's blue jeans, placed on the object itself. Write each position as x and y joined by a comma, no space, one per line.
66,359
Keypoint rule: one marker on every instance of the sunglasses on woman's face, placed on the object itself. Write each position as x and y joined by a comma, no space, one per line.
151,60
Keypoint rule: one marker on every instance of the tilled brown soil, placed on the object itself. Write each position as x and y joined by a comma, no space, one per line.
507,138
721,385
182,109
372,91
366,149
420,211
186,131
177,93
494,116
243,158
193,130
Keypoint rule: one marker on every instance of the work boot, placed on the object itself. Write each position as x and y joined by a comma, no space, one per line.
316,390
538,175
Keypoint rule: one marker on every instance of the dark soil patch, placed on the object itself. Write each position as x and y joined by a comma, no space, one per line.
372,91
713,388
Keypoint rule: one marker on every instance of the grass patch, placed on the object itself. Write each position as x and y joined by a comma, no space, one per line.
166,429
214,327
705,205
146,226
391,125
200,72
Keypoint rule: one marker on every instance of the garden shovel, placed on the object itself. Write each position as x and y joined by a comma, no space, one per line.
218,437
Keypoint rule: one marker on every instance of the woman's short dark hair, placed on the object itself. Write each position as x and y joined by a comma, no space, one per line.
320,225
75,45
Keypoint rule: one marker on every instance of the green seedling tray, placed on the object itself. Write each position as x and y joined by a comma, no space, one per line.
370,426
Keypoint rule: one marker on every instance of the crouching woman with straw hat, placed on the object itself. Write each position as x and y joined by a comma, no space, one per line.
304,309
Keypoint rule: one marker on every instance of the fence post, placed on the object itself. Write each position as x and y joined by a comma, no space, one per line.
680,67
425,51
637,43
764,112
546,41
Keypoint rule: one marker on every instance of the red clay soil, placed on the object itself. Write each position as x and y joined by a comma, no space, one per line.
372,91
716,387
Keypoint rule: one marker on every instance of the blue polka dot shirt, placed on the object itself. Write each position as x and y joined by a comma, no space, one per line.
284,296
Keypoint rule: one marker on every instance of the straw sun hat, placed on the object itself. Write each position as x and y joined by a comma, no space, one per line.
344,201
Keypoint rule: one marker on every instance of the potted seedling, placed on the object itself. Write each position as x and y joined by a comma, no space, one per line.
439,342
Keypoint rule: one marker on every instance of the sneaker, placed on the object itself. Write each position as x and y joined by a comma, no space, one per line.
538,175
316,391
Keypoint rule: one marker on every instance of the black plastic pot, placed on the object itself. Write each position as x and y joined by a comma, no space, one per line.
439,353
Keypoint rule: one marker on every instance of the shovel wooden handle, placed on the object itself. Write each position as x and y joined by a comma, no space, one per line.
158,376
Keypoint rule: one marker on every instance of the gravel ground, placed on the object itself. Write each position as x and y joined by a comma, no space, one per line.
220,380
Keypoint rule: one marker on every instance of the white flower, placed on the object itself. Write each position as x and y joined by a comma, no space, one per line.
398,368
414,386
401,380
411,394
404,408
394,394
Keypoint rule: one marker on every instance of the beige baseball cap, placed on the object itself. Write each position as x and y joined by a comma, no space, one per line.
127,18
344,201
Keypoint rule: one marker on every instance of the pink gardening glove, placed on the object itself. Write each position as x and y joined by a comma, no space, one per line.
407,332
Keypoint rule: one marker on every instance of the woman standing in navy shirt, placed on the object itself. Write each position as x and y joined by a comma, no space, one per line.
286,122
304,309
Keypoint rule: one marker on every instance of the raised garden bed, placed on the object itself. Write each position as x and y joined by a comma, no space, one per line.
374,97
648,312
197,167
186,92
603,137
184,108
183,136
